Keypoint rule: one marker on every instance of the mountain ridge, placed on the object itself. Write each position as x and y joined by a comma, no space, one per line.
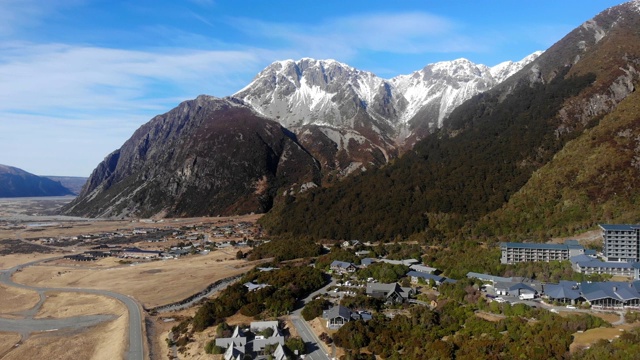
15,182
489,149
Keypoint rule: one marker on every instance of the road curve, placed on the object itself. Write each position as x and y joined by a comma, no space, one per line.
136,342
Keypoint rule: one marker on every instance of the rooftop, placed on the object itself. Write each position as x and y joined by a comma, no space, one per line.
618,227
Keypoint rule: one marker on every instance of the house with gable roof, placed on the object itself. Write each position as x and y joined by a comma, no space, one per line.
392,293
342,267
337,316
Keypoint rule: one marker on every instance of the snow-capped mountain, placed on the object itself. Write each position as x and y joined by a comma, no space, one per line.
350,119
330,93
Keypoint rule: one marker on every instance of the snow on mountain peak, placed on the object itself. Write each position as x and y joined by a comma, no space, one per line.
328,92
505,69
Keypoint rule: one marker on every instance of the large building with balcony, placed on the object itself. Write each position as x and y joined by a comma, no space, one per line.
621,242
513,252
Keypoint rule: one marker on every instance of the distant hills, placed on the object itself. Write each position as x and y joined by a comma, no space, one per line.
15,182
73,183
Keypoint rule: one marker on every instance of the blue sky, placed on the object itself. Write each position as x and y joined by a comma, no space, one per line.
78,77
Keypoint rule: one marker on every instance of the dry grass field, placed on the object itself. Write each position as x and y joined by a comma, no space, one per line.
16,299
102,342
64,304
7,341
585,339
9,261
152,283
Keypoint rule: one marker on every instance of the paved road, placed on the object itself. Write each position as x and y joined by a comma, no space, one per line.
314,345
136,344
33,325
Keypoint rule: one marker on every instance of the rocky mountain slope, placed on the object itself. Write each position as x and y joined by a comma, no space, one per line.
206,156
488,157
360,119
16,182
211,156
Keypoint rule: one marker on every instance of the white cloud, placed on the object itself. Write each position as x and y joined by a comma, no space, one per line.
57,76
399,33
16,15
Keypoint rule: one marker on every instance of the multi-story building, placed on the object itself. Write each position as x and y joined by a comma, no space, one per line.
522,252
621,242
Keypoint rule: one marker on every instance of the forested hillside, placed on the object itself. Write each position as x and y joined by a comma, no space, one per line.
467,170
489,162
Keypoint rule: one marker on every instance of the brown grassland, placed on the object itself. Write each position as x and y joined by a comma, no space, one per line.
16,299
152,283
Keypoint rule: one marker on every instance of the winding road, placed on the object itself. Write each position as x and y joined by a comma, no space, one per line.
29,325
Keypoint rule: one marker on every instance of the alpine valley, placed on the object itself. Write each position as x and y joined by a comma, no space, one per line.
538,147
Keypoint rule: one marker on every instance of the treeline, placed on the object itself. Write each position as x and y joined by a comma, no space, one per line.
488,152
286,248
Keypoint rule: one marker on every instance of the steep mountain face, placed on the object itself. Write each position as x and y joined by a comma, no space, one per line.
492,146
16,182
365,120
207,156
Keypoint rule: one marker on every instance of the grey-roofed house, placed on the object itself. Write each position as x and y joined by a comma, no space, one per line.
233,353
237,341
262,341
337,316
279,354
487,278
342,267
392,293
406,262
564,292
611,294
424,269
514,252
367,261
587,265
254,287
417,275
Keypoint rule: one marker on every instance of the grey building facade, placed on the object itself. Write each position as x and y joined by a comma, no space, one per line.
621,242
512,252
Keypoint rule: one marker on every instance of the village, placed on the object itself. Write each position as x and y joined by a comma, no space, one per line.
360,283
